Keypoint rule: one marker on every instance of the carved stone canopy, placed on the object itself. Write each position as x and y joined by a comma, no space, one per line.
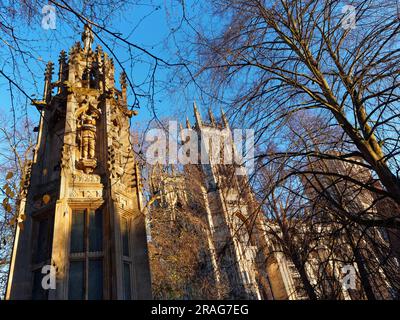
87,103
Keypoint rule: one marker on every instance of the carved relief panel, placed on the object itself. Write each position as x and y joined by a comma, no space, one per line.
83,186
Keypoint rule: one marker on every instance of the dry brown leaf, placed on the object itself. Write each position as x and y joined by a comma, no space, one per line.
46,199
9,175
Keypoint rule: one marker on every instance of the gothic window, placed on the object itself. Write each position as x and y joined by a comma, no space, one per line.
126,258
92,79
86,255
43,235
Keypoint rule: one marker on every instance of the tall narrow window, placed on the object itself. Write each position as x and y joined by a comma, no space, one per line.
42,245
86,255
126,258
44,237
125,237
95,291
76,289
78,232
38,293
95,231
127,281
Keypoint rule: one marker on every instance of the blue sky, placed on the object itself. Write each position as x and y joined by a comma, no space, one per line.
147,25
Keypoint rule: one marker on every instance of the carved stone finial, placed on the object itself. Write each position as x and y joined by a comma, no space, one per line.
77,46
188,123
211,116
183,138
197,114
224,119
48,74
49,70
62,72
122,79
75,49
99,49
87,38
63,57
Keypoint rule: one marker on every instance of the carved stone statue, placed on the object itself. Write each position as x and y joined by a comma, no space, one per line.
87,38
88,130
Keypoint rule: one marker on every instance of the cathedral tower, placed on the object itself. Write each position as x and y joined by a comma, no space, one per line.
242,251
227,211
81,199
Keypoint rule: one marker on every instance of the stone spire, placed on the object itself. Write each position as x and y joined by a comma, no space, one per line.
188,123
62,71
122,81
224,119
48,74
181,132
197,114
211,116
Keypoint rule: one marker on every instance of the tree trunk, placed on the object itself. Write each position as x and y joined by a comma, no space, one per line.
300,267
369,292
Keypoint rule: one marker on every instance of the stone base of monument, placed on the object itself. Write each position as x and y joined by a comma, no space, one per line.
87,165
